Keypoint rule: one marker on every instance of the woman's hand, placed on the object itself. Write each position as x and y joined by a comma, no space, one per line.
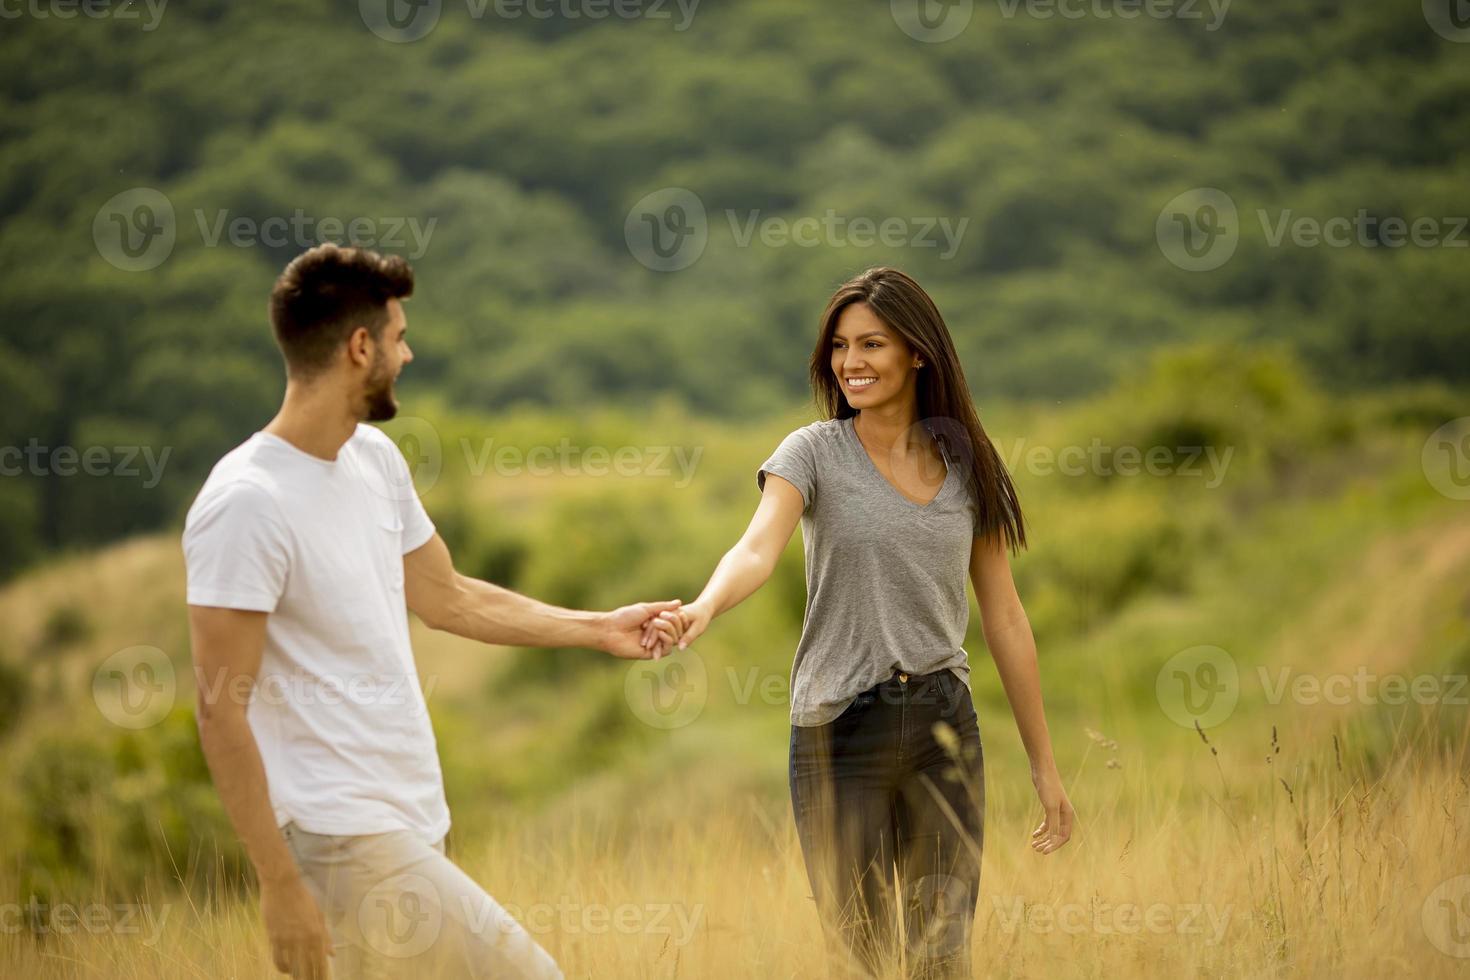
696,617
1056,827
684,624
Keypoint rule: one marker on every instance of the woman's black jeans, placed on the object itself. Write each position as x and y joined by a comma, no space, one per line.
880,799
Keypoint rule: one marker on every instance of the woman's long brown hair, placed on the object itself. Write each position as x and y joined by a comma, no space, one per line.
944,404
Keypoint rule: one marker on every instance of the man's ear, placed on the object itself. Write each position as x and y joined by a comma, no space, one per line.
358,342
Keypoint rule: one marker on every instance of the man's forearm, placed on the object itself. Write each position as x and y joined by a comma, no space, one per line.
491,614
239,778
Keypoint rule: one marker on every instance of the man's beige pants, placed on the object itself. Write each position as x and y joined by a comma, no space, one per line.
398,907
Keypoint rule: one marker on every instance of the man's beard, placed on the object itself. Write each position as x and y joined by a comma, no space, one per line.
381,405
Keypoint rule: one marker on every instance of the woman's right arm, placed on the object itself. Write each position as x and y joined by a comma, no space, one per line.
746,566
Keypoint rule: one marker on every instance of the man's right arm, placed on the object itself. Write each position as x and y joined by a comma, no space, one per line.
227,648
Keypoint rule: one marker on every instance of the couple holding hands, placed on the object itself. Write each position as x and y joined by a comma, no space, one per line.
307,546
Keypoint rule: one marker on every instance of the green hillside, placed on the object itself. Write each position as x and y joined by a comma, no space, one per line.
1028,171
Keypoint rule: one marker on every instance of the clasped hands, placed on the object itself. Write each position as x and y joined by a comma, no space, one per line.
651,630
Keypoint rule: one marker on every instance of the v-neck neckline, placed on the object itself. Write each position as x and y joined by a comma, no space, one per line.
850,425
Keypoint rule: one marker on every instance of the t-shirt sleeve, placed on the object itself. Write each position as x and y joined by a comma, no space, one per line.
236,550
794,461
417,527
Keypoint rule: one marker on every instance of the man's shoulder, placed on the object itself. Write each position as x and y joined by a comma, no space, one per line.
371,435
242,479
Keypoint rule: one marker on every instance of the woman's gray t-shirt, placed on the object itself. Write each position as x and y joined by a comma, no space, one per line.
885,577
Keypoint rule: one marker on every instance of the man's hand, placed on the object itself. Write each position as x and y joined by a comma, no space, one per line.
642,631
300,943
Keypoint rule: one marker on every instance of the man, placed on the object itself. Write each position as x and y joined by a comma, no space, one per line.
304,549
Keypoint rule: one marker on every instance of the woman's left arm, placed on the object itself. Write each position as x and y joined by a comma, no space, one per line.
1008,634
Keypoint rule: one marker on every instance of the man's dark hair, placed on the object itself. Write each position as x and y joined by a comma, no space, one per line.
327,292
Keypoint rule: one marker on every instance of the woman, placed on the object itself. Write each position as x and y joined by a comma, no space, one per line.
899,493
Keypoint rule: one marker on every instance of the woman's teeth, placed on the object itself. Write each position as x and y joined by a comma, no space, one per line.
860,382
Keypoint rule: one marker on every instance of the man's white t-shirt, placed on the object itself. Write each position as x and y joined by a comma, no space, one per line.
337,709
